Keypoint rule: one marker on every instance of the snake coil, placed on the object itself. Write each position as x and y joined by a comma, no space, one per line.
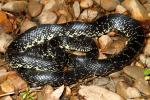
31,53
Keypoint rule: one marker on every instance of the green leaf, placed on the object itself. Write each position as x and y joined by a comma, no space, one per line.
147,71
27,95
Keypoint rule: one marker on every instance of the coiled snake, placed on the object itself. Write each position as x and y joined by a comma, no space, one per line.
39,57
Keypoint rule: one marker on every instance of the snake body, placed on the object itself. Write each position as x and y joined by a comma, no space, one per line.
30,54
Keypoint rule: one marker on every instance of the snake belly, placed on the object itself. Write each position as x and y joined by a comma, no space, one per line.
30,56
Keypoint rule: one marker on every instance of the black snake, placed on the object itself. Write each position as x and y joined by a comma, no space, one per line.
38,57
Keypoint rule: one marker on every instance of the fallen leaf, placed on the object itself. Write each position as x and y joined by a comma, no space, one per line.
5,23
5,40
49,94
98,93
17,81
7,86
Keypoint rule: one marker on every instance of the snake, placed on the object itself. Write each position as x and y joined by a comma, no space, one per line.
40,56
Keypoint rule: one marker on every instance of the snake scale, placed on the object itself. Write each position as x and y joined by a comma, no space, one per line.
39,58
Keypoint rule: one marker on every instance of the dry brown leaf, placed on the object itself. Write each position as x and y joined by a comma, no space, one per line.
101,55
115,47
7,86
34,8
62,19
88,14
136,9
3,76
5,23
49,94
76,9
68,91
121,9
126,91
26,25
105,41
98,93
5,40
17,81
57,93
15,6
47,17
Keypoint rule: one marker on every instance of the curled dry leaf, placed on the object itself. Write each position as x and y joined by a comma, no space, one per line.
76,9
105,41
15,6
134,72
136,9
108,5
126,91
34,8
7,86
121,9
133,92
4,75
63,11
140,64
17,81
102,81
62,19
142,86
47,17
68,91
88,14
98,93
5,40
67,12
26,25
49,94
101,55
57,93
46,92
13,82
116,46
5,23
